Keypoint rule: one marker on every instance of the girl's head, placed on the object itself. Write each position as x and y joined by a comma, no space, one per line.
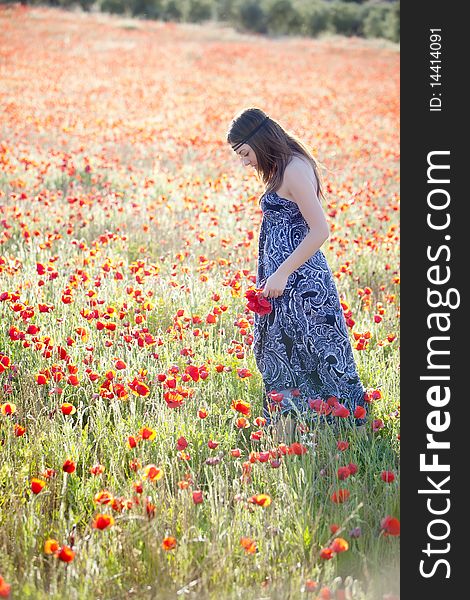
262,143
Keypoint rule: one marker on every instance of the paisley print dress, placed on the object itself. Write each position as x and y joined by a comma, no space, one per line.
303,343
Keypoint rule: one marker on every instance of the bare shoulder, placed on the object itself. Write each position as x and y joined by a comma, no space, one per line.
299,165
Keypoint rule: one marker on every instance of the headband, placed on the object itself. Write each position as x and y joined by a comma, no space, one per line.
250,134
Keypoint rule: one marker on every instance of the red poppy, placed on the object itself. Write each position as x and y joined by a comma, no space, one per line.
341,411
103,497
339,545
197,497
102,521
5,588
248,545
152,473
37,485
147,434
353,468
340,496
260,500
181,443
387,476
169,543
297,448
390,525
19,430
173,399
8,408
97,470
326,553
51,546
319,406
360,412
66,554
68,466
342,445
242,407
343,473
257,302
5,363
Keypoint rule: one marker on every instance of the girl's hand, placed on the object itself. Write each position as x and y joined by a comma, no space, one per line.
275,285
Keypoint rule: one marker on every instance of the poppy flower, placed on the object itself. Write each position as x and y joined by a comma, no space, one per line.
257,302
236,452
19,430
152,473
276,397
339,545
334,528
103,497
212,444
68,466
341,411
377,424
242,407
102,521
340,496
169,543
326,553
343,473
311,585
342,445
65,554
173,399
8,408
97,470
387,476
5,588
260,499
132,441
147,434
68,409
5,363
360,412
181,443
197,496
37,485
248,545
51,546
202,413
390,525
319,406
297,448
353,468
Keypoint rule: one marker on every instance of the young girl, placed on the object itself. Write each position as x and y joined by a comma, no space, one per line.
301,347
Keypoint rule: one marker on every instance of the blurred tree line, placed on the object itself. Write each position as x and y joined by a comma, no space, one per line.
367,18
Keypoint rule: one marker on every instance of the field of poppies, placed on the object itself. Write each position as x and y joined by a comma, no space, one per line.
134,462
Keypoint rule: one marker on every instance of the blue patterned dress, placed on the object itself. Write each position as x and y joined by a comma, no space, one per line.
303,343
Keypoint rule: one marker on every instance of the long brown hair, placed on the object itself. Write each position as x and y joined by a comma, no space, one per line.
273,145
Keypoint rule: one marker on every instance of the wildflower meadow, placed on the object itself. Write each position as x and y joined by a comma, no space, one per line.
134,461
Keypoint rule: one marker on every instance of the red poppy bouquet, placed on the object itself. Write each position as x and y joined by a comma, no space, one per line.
257,302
